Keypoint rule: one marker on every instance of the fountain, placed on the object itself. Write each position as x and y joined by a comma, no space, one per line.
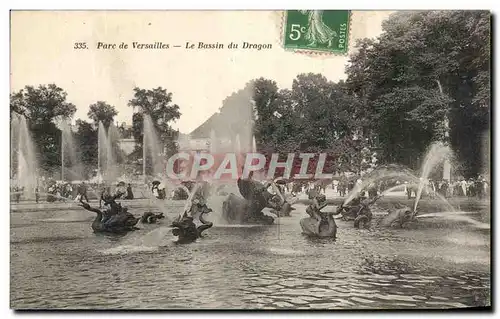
107,169
391,189
101,151
26,168
457,216
152,160
151,149
111,161
237,144
237,149
375,175
414,179
189,201
69,160
14,127
437,153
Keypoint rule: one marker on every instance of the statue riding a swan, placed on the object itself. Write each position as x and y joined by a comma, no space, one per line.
319,224
113,218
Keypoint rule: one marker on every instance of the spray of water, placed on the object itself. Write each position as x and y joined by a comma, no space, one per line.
66,199
457,216
237,144
152,148
112,171
376,175
187,205
153,239
153,154
69,160
23,151
392,189
438,152
407,176
102,142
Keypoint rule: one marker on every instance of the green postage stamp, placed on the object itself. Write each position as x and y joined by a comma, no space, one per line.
317,30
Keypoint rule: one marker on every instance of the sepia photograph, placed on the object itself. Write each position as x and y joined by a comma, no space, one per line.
250,160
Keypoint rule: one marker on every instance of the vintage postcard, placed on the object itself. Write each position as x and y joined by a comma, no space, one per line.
300,159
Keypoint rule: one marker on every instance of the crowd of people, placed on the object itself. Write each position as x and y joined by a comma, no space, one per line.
478,187
474,187
64,191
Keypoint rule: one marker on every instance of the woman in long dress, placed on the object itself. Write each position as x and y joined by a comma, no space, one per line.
317,31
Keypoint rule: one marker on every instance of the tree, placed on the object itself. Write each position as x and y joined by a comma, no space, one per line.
316,116
105,113
88,144
157,103
425,66
265,97
43,106
102,112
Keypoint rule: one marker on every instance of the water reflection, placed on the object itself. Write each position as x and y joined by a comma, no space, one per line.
64,265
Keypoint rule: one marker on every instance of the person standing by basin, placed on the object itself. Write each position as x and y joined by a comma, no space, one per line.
17,191
37,194
82,191
104,195
130,194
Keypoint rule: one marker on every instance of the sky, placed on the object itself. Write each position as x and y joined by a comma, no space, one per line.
42,52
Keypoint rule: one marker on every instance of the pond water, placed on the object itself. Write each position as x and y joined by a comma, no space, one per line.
58,262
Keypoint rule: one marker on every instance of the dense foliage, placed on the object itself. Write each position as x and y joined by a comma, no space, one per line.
102,112
426,67
88,134
87,137
43,107
157,103
315,116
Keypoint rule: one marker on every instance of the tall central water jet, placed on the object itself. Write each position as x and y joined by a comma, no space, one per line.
438,152
152,149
